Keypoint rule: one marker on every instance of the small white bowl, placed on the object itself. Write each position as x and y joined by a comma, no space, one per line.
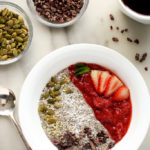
145,19
62,58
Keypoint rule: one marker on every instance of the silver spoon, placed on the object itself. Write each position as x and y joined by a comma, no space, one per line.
7,107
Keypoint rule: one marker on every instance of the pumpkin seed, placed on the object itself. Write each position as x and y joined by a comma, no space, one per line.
68,91
50,112
42,109
57,87
19,39
57,105
4,12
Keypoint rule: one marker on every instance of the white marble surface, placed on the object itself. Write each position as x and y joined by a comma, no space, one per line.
93,27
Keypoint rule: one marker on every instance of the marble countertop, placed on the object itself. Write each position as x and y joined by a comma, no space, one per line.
93,27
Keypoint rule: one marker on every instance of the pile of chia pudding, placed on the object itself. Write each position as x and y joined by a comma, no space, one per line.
68,120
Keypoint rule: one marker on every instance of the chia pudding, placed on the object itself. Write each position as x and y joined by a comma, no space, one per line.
67,118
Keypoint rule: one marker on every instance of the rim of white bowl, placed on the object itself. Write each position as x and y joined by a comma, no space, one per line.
133,13
81,46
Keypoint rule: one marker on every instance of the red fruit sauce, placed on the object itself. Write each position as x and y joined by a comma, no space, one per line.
115,116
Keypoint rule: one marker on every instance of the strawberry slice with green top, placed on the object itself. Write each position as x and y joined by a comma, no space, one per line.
95,74
103,80
113,84
121,94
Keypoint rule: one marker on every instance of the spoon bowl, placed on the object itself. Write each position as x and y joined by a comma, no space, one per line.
7,107
7,101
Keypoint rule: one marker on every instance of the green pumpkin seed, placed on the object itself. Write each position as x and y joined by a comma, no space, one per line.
8,47
50,112
52,93
42,109
16,26
10,31
15,53
19,39
13,45
2,26
58,98
2,20
51,120
7,36
4,12
50,84
10,23
20,19
57,105
24,31
57,93
68,91
57,87
51,100
4,57
46,95
53,79
14,34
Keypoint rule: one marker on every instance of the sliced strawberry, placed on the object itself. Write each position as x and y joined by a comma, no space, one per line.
113,84
121,94
95,77
103,80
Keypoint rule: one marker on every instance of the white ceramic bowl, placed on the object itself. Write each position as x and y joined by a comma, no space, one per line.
145,19
62,58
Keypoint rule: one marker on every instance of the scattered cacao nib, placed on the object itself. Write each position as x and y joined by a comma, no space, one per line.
87,146
137,56
69,141
111,145
57,11
146,68
126,30
143,57
129,39
122,31
136,41
115,39
86,130
111,17
117,28
111,27
102,137
101,134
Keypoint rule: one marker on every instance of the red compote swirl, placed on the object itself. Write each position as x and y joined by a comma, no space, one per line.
114,115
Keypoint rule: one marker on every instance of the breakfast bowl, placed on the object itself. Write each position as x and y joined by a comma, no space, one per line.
58,60
60,23
17,35
142,18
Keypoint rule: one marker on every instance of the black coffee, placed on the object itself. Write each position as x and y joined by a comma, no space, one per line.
140,6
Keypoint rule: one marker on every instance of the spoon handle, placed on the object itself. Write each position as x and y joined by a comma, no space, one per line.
20,131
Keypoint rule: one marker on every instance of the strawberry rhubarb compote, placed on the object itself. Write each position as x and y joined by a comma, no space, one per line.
107,95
